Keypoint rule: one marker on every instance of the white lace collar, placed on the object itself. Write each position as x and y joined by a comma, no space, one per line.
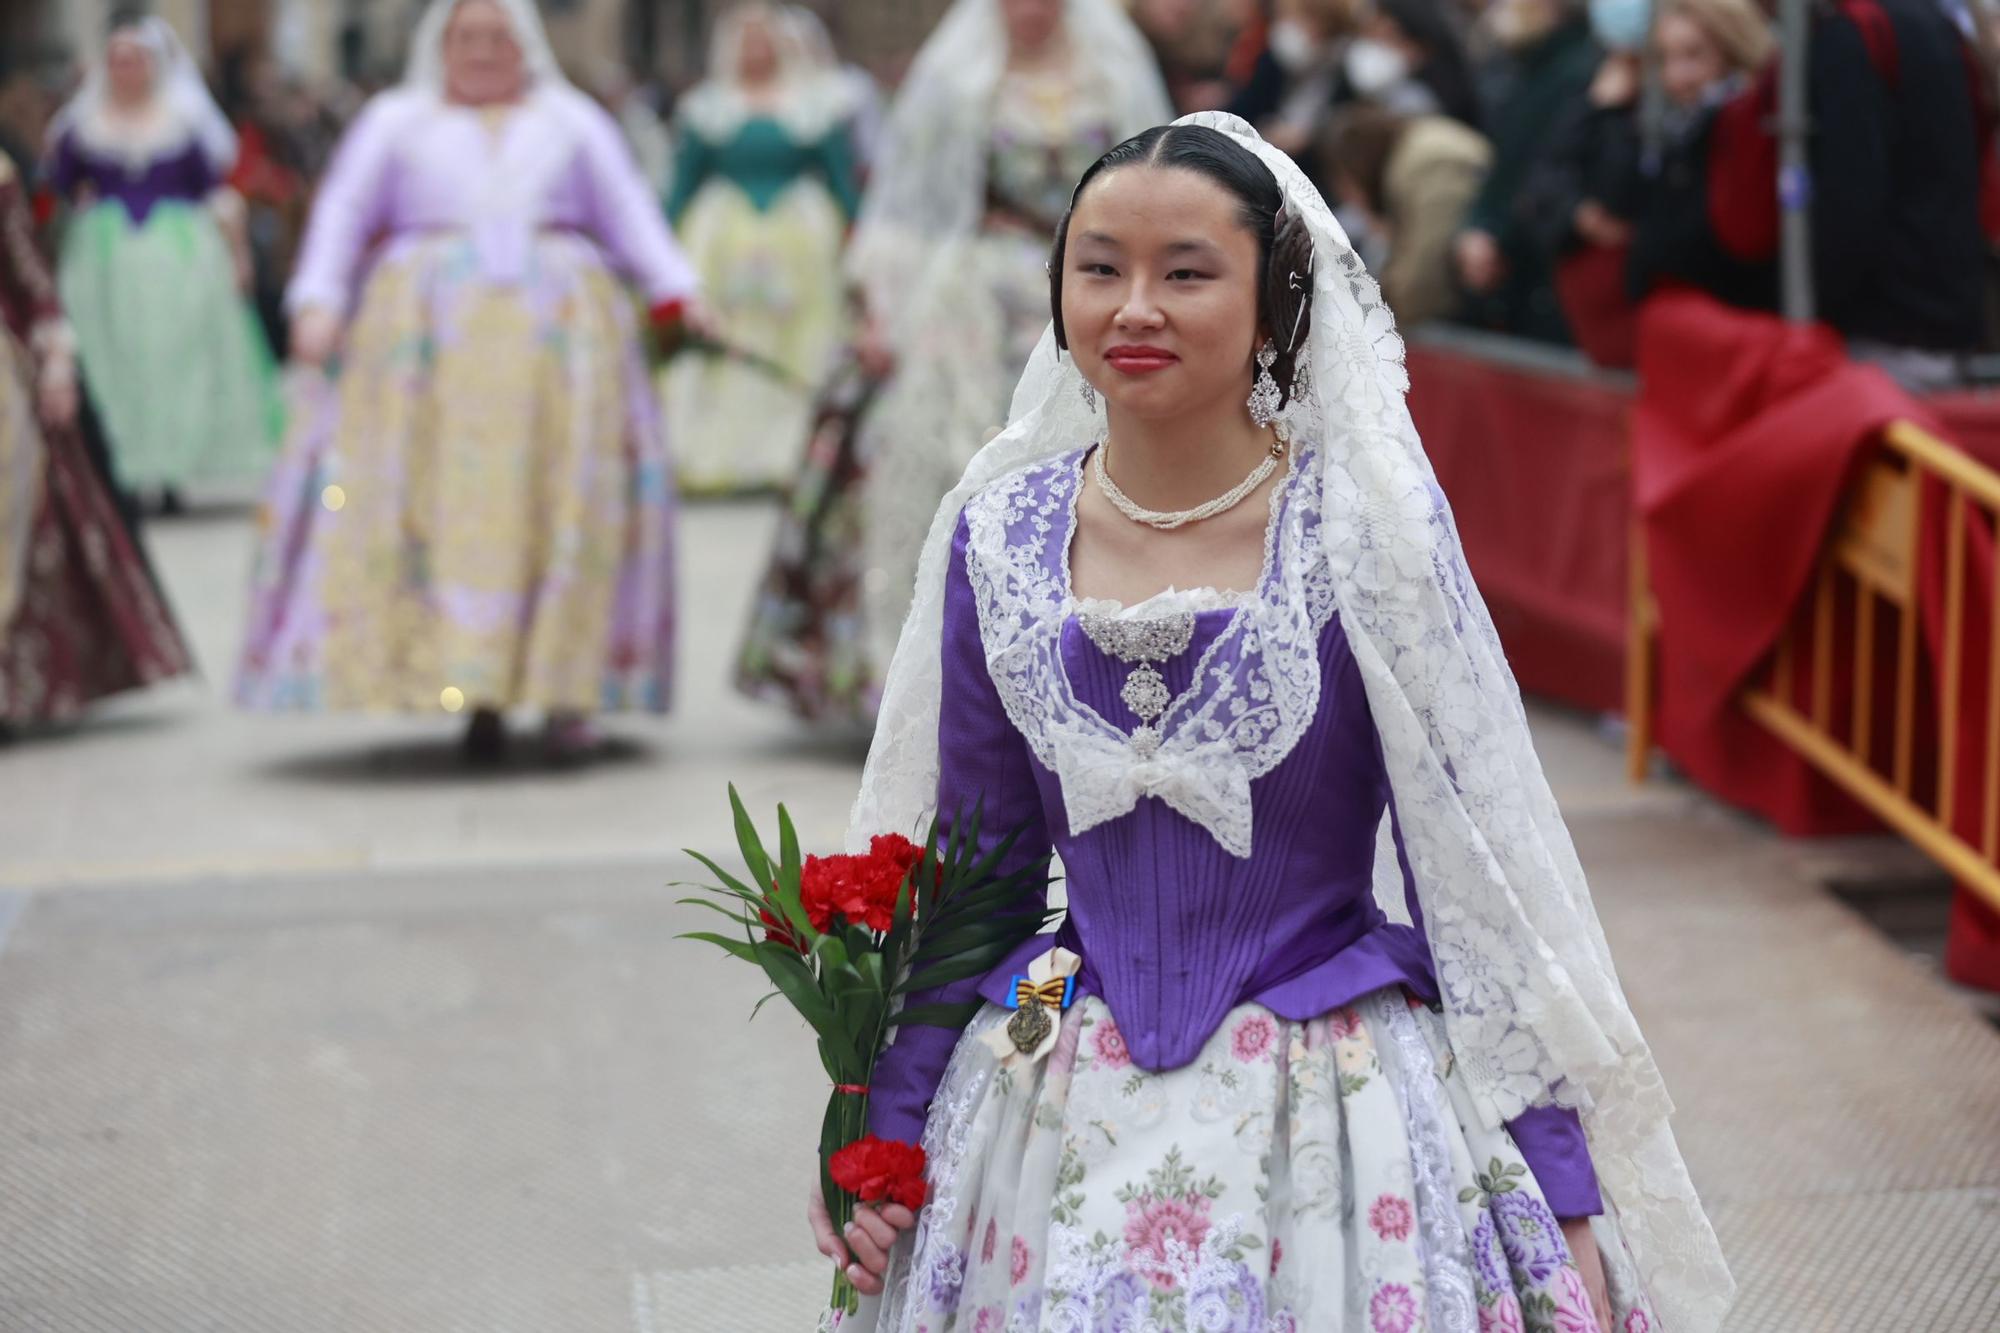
1255,689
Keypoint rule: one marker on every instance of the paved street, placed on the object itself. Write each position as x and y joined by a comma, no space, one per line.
304,1029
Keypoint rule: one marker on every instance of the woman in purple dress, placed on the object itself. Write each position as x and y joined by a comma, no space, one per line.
1347,1051
478,516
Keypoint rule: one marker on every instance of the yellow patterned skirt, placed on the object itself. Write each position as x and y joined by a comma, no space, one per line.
478,511
772,278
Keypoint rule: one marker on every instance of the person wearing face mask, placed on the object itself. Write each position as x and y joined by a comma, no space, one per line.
1293,91
1578,201
1501,261
1410,60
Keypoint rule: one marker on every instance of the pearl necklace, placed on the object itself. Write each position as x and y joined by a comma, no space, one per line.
1167,520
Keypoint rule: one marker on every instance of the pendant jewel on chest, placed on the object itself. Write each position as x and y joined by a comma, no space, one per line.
1142,644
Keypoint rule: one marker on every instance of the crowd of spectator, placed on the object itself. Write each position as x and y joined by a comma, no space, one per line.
1539,167
1535,167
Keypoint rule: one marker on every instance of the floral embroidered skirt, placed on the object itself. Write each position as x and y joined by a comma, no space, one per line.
477,511
1322,1177
772,278
172,353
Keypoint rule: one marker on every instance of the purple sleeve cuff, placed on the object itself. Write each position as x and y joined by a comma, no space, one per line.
1552,1144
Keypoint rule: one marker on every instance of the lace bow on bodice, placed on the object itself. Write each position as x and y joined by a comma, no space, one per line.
1248,699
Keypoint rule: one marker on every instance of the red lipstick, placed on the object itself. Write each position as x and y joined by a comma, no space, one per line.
1139,359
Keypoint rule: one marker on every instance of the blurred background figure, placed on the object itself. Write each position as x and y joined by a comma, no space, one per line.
1577,203
764,189
1549,61
478,511
630,104
1413,177
1903,172
1002,109
80,615
1409,58
1708,52
268,180
851,87
155,266
1291,90
1191,40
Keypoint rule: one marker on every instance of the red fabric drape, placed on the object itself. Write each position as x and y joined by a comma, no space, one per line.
1534,468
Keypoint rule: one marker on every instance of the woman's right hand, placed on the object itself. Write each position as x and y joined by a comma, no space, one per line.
314,335
864,1252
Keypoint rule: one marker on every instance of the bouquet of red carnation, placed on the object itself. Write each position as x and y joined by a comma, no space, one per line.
845,939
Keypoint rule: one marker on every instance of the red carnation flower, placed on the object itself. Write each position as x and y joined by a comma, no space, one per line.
878,1170
860,889
780,931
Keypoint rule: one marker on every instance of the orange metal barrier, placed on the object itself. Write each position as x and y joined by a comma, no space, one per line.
1820,692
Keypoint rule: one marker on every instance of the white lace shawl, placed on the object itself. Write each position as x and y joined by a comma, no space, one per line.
1253,693
929,185
809,104
182,108
1532,1002
425,69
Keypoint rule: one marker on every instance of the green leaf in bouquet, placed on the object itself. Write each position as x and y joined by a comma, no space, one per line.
962,939
973,963
937,1015
736,948
790,864
743,919
754,856
830,950
758,1007
730,884
846,985
789,974
1022,892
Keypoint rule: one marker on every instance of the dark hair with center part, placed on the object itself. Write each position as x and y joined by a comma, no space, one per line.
1284,244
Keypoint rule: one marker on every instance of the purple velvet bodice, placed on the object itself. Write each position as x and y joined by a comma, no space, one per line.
1174,931
178,175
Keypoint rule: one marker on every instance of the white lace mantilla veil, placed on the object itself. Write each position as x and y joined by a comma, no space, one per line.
929,182
1532,1002
717,105
178,87
425,70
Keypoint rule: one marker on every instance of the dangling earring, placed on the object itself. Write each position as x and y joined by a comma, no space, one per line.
1265,400
1089,395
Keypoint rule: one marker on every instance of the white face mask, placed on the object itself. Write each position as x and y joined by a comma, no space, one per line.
1293,47
1374,67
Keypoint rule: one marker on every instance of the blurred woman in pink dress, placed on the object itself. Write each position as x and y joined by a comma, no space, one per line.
478,516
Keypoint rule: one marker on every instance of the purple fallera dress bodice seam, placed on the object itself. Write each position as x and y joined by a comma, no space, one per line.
179,174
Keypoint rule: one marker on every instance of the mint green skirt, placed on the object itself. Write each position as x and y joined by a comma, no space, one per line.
176,363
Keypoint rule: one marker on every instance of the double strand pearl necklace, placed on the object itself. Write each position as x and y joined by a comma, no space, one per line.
1168,519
